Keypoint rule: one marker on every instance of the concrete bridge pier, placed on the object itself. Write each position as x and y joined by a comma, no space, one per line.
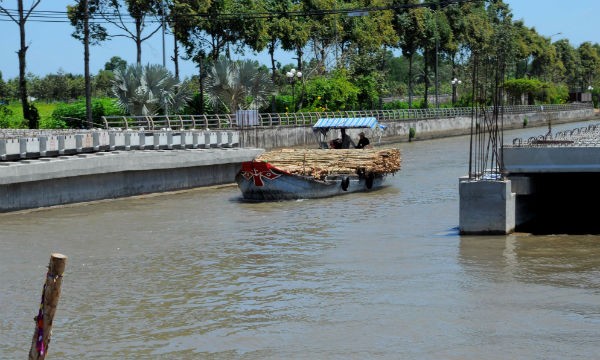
486,206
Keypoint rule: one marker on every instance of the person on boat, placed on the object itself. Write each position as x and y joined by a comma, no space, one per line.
346,140
335,144
363,141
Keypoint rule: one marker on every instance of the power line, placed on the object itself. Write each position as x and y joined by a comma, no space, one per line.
61,16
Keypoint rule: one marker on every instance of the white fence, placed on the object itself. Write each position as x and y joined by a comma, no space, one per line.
23,146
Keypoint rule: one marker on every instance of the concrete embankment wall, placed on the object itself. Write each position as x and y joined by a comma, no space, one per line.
398,130
62,180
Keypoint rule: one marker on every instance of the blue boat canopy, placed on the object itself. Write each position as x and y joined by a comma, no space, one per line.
348,123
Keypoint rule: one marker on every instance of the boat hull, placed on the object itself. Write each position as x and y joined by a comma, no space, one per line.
260,181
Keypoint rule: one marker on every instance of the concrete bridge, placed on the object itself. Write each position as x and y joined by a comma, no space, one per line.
549,184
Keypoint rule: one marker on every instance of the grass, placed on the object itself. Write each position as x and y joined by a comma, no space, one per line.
16,120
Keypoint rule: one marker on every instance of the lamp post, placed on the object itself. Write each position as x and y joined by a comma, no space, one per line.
558,33
292,77
455,82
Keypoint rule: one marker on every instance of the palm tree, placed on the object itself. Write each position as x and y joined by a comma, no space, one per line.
148,90
238,85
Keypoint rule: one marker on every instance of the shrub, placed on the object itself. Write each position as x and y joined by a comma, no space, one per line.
5,116
411,133
74,115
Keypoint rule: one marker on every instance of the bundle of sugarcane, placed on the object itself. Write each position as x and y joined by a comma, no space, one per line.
322,162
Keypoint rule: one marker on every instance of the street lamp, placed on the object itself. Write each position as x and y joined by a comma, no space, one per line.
558,33
455,82
292,77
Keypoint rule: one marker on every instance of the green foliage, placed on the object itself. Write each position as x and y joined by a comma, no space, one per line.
74,116
368,94
6,115
395,105
3,89
521,86
52,123
59,86
193,106
516,88
332,93
537,92
399,105
554,94
411,133
238,85
525,121
149,90
283,104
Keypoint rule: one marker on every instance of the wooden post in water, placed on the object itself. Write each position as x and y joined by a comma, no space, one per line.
50,296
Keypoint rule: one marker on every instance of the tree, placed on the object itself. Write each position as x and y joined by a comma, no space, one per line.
148,90
29,111
266,33
410,27
3,89
207,27
517,88
235,85
115,63
114,11
333,92
590,64
88,34
569,57
205,32
296,32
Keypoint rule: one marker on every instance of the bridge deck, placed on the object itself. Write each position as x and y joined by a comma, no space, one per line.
576,150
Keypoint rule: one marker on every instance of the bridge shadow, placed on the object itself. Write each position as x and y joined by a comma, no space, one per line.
563,204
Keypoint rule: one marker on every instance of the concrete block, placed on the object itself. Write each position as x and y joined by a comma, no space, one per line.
11,148
29,147
101,140
160,140
211,139
171,140
199,139
132,140
67,144
187,140
117,141
233,138
49,145
84,142
221,139
486,207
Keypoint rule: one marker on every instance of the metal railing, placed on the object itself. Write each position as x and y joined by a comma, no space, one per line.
228,121
587,136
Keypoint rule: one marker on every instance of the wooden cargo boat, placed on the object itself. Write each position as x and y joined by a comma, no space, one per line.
290,174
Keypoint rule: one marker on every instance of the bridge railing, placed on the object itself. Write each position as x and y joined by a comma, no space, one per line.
227,121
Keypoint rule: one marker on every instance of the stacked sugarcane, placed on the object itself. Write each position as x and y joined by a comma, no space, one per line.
320,163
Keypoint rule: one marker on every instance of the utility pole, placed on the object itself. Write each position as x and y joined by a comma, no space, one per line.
162,5
86,61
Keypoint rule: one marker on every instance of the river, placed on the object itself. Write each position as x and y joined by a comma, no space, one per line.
201,274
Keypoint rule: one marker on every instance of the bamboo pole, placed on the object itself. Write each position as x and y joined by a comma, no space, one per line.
319,163
50,296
